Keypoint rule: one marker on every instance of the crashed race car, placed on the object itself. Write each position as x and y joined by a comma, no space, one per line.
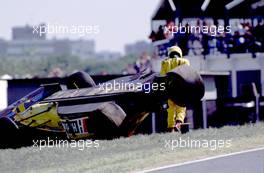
79,109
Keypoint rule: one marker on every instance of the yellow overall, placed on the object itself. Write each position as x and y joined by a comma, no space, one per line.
175,112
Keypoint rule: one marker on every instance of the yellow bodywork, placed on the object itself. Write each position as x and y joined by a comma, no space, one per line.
43,116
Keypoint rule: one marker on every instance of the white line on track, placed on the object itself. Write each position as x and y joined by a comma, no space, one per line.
201,160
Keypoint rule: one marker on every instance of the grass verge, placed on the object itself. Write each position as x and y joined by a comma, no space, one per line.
134,153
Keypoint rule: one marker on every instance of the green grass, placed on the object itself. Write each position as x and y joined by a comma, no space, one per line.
129,154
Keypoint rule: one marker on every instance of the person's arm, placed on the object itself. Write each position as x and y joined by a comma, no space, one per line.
182,61
164,67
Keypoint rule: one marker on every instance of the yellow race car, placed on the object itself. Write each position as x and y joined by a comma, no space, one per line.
79,109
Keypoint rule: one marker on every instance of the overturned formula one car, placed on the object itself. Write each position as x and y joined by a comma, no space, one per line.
79,109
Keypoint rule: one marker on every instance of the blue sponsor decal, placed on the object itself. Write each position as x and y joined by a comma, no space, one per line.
28,101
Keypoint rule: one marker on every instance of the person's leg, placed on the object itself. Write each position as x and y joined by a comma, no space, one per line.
180,113
171,115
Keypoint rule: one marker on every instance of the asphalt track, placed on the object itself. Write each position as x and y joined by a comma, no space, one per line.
251,161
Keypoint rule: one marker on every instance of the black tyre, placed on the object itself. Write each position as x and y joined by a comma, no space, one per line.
9,137
79,79
184,85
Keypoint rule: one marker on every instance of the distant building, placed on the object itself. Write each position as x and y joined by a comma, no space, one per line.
26,43
108,55
138,48
26,33
29,48
83,48
3,47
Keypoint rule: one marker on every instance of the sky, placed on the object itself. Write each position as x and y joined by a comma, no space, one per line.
119,21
